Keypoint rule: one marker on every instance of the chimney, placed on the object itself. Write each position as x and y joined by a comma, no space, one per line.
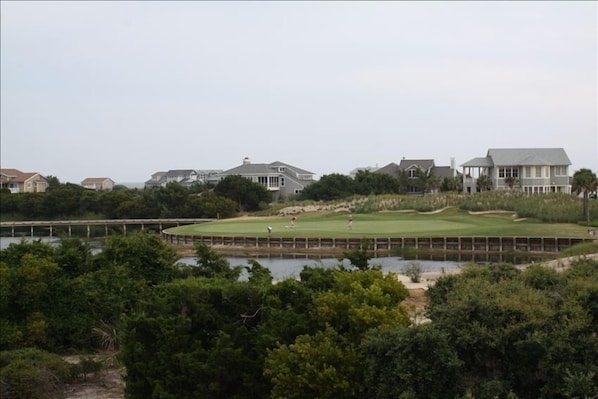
453,167
246,161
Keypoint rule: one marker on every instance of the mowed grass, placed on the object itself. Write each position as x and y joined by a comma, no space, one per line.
450,222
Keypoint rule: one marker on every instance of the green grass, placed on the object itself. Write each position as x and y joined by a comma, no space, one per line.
451,222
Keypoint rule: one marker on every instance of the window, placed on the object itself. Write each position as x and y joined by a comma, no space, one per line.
508,172
560,171
263,180
538,171
411,173
273,181
282,182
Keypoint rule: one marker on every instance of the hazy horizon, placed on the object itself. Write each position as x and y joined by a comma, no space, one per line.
126,89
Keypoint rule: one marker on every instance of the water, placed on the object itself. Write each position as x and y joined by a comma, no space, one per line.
282,268
286,267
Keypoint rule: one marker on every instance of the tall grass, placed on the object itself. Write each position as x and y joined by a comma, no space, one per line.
550,208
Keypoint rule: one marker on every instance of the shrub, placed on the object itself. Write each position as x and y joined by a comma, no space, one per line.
32,373
414,271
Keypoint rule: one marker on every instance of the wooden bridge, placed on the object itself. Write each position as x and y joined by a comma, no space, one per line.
35,228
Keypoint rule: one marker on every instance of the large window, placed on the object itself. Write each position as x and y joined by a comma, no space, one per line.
538,171
560,171
508,172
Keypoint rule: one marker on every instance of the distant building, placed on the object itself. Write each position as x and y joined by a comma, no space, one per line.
22,182
185,177
98,183
371,169
283,180
411,167
534,170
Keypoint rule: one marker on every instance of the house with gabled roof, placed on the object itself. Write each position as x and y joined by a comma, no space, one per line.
22,182
410,168
283,180
185,177
531,170
98,183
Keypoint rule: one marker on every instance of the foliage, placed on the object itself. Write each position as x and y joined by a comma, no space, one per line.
359,257
585,182
318,366
413,362
525,333
330,187
30,373
144,254
248,195
210,264
414,271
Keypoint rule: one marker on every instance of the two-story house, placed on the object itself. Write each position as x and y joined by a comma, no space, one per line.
185,177
532,170
98,183
281,179
22,182
411,169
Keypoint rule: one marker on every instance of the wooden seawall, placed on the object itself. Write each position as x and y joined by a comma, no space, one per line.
379,245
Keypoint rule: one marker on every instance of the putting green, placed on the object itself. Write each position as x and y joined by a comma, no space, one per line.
452,222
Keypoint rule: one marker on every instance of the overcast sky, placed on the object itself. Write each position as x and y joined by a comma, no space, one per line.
126,89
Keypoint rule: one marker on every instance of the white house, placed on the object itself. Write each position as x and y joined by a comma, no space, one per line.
534,170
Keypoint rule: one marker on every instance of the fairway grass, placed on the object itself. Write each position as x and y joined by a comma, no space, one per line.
450,222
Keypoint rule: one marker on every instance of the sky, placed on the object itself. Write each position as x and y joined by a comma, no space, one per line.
126,89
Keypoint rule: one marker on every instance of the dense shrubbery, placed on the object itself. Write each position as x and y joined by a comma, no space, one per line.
186,332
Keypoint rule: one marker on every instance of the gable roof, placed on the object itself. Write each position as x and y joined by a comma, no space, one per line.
95,180
424,164
263,168
390,169
528,156
16,176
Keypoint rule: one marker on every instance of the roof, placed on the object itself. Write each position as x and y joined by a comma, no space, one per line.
93,180
425,164
443,171
263,168
390,169
485,162
15,175
528,156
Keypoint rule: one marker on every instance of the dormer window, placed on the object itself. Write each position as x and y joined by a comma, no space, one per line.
282,169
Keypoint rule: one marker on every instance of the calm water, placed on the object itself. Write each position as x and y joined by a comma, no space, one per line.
284,267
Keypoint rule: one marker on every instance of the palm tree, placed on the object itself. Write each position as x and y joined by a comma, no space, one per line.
585,182
484,183
511,182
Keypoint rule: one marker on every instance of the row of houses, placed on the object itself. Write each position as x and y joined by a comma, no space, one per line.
33,182
536,171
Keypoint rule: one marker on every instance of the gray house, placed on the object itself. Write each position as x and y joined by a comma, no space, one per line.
534,170
410,168
185,177
281,179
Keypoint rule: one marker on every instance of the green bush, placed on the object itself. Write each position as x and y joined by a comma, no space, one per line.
32,373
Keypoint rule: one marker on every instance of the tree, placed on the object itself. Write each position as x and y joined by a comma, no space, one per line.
484,183
511,182
248,195
585,182
414,362
454,184
210,264
329,187
320,366
425,181
368,183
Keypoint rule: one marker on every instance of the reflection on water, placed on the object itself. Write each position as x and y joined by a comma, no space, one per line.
285,266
